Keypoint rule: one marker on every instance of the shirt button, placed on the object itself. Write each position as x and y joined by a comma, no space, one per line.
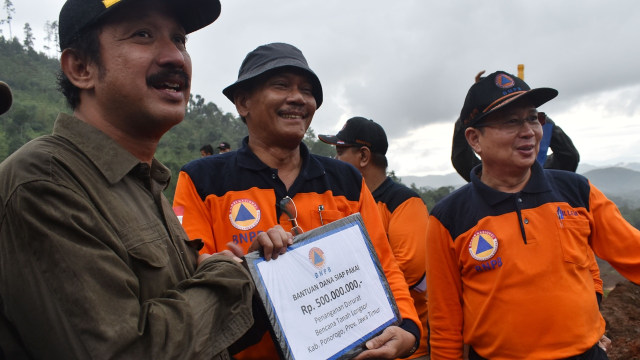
526,221
519,200
273,176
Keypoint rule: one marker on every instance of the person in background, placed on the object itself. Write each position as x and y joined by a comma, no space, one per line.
224,147
94,262
565,156
6,98
206,150
509,254
363,144
233,197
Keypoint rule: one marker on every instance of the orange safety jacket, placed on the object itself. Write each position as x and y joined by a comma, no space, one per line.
232,197
404,217
511,274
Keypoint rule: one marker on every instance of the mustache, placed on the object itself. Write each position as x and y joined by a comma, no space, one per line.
295,110
169,75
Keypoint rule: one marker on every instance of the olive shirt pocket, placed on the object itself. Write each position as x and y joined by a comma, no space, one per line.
148,258
146,245
574,240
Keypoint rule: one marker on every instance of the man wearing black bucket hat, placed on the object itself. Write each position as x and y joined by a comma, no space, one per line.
508,254
233,197
94,262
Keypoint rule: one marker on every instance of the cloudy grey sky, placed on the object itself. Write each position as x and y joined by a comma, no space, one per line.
408,64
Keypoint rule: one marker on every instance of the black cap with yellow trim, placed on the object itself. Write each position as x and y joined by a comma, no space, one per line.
496,91
77,15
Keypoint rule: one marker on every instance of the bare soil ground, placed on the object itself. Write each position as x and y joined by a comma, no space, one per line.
621,310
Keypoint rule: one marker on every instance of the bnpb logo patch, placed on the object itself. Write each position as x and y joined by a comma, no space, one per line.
316,256
504,81
483,245
244,214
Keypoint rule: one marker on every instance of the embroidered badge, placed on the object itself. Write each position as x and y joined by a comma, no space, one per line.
483,245
504,81
316,256
560,216
244,214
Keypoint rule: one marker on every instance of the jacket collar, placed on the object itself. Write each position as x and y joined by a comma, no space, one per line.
537,184
311,167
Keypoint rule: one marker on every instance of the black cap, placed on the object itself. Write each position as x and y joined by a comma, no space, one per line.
270,57
77,15
224,145
5,97
359,131
497,90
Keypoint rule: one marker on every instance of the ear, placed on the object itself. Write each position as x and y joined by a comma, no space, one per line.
473,139
81,73
242,102
365,156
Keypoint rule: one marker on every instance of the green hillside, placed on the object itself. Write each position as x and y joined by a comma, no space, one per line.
32,77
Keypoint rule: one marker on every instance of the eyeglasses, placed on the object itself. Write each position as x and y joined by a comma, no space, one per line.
514,124
289,207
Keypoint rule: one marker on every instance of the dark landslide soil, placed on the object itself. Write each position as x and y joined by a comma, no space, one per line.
621,311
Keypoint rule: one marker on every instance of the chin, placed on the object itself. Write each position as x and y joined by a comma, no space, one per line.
172,114
292,140
525,165
166,120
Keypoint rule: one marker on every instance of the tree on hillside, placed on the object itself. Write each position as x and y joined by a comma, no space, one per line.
36,101
28,37
51,29
316,146
394,177
10,10
432,196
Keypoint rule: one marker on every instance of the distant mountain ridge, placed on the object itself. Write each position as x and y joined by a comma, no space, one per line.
620,184
434,181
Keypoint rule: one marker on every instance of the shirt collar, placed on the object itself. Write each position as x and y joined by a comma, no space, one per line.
311,167
387,183
111,159
537,184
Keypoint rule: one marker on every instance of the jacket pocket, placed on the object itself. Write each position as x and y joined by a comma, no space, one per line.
324,217
574,240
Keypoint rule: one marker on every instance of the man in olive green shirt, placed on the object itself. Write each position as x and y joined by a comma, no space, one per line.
93,262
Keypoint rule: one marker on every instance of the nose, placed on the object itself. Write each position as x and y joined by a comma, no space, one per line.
528,129
296,96
172,53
